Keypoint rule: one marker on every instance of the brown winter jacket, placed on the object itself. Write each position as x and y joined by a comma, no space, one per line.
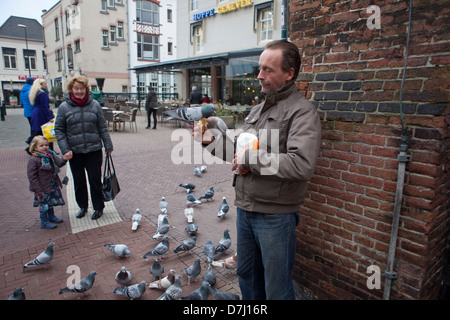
40,179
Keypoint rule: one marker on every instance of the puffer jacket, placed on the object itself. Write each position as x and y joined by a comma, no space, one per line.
25,100
81,129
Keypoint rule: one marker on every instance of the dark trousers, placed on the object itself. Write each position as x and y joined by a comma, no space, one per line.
149,112
92,164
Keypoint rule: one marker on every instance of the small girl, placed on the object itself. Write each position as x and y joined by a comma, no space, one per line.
42,171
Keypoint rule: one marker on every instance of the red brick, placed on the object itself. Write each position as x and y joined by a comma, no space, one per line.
363,180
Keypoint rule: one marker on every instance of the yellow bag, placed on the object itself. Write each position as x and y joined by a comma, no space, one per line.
48,130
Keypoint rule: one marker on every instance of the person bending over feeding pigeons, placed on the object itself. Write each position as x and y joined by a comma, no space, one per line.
273,175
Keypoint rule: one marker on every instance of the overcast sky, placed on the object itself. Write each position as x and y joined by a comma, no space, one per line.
24,8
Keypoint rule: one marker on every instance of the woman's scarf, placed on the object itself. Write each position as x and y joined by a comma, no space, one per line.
80,102
45,160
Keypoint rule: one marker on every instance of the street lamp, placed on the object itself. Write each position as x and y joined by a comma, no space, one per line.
26,41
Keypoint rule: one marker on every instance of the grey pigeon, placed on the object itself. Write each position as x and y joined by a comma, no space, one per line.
119,250
165,282
186,245
209,251
159,249
17,294
209,277
224,242
197,171
218,124
156,269
223,208
81,286
193,271
208,195
123,277
199,294
174,291
191,198
163,228
191,229
134,291
191,114
222,295
163,205
136,220
42,259
187,185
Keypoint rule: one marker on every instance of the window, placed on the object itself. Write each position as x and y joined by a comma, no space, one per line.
103,6
105,37
194,5
77,46
147,12
58,59
44,60
70,56
125,89
169,48
9,56
111,3
266,25
56,29
198,39
30,59
120,34
67,22
169,15
165,83
148,46
112,32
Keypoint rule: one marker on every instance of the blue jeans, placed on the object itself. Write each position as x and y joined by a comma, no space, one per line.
265,254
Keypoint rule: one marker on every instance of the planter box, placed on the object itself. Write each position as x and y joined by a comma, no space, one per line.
229,121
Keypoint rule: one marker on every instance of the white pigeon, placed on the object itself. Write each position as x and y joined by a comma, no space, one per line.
81,286
203,169
163,205
132,292
165,282
136,220
42,259
191,114
191,198
123,277
197,171
189,214
163,228
223,208
119,250
227,263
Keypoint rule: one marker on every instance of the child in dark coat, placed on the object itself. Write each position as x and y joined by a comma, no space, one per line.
42,171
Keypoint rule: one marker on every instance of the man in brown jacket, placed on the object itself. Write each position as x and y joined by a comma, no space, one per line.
270,182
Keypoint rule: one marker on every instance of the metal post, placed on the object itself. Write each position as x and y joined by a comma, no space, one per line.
26,43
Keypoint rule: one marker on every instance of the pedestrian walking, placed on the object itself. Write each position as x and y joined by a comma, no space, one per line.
41,112
25,102
151,105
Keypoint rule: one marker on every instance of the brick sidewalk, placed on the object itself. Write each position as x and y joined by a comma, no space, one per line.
146,172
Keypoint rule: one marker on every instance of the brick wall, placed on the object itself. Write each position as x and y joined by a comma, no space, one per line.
353,74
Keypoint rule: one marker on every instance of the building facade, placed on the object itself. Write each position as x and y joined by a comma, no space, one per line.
88,38
22,45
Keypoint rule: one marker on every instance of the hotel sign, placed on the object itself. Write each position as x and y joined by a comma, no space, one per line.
144,28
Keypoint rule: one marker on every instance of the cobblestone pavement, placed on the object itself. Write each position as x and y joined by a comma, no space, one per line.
145,166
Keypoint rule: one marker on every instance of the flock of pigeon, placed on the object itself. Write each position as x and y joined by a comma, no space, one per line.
170,284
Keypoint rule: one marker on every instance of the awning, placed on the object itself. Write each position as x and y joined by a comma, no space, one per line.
196,62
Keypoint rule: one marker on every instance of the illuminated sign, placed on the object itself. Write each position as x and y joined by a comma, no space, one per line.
204,14
234,6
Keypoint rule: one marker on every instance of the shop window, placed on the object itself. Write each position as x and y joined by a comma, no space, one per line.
9,57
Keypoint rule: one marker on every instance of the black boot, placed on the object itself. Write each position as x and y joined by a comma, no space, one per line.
82,212
97,214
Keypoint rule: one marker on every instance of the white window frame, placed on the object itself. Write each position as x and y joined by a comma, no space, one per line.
265,25
113,34
30,59
105,39
12,58
194,5
198,39
120,30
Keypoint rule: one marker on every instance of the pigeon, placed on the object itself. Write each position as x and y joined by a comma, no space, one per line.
134,291
191,114
189,213
187,185
192,229
81,286
203,169
163,205
17,294
186,245
193,271
156,269
208,195
119,250
165,282
163,228
123,277
161,218
209,251
159,249
209,277
201,293
174,291
224,242
222,295
136,220
191,198
228,263
218,124
197,171
223,208
43,258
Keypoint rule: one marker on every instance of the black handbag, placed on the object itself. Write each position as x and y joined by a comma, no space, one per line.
110,184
